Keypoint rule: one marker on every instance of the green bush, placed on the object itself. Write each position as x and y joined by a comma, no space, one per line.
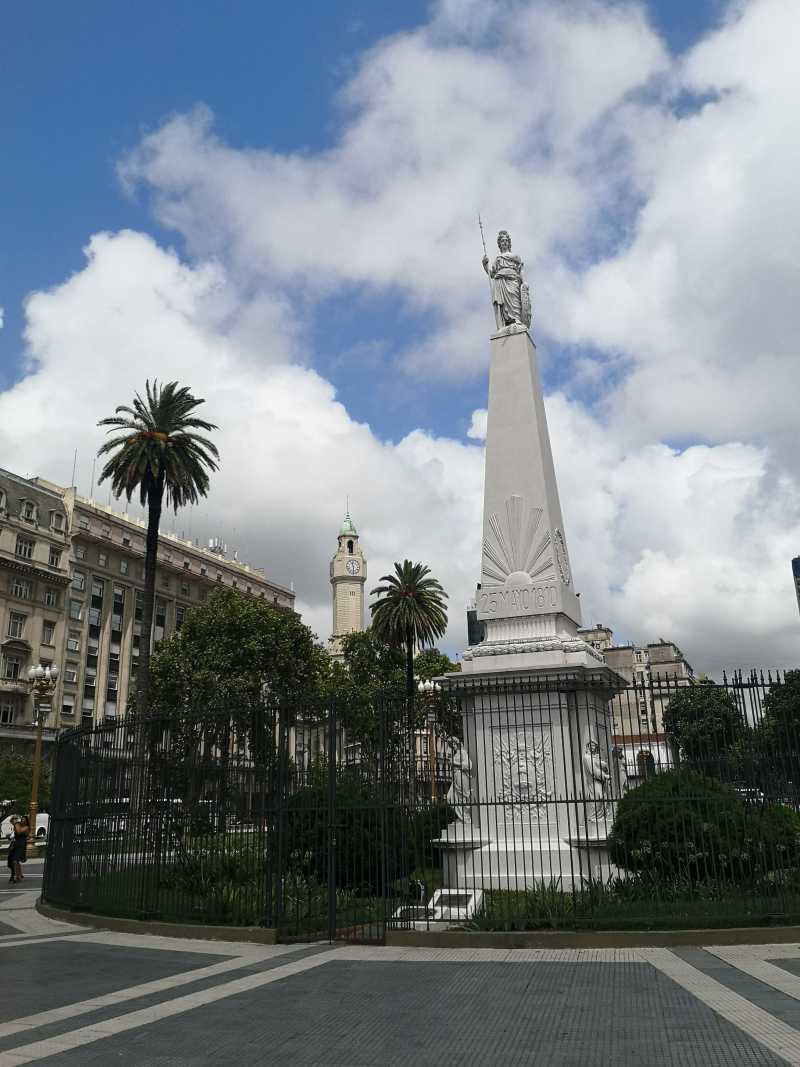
682,824
371,842
222,881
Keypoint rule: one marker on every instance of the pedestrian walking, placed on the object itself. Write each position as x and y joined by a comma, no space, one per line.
18,849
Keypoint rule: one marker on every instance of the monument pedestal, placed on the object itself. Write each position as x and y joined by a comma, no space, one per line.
538,816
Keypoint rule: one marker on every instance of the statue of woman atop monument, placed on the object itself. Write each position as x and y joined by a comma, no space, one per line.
510,295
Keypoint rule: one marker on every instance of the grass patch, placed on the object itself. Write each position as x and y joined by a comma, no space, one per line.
640,904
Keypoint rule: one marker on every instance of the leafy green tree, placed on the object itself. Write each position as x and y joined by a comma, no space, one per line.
365,684
705,723
410,612
231,653
16,774
781,721
431,663
158,452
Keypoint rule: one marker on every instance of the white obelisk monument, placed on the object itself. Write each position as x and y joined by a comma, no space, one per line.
534,695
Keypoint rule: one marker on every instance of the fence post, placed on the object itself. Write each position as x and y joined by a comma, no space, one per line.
332,753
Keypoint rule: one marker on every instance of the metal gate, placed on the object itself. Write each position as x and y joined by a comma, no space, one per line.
342,825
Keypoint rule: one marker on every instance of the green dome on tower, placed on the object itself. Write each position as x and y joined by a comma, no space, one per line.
347,526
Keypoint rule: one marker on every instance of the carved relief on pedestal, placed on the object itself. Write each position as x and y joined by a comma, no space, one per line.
515,544
522,767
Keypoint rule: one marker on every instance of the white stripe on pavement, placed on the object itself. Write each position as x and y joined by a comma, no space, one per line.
86,1035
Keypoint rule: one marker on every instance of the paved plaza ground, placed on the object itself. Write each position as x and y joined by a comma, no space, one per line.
73,997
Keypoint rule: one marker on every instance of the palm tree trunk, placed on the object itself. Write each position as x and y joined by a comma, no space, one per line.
150,559
410,689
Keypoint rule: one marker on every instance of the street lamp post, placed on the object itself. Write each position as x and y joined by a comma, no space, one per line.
42,681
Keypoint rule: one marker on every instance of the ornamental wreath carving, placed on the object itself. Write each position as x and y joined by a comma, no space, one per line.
521,761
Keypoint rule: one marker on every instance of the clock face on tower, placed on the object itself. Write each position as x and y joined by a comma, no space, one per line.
352,566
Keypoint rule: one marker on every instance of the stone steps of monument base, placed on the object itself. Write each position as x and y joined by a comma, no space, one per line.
510,864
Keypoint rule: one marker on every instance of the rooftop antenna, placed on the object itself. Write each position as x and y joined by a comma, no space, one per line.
91,490
74,465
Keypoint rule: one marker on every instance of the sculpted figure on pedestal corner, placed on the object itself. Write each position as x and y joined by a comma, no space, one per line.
510,295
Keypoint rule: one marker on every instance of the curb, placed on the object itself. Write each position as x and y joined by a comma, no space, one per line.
557,939
546,939
188,931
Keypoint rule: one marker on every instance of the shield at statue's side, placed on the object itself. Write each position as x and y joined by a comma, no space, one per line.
525,303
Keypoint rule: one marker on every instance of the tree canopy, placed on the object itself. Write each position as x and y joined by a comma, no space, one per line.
705,723
231,652
410,611
16,775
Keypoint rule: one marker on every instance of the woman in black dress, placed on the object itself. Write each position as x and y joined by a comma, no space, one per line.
18,849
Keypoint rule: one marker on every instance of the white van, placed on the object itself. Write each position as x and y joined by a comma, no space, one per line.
42,826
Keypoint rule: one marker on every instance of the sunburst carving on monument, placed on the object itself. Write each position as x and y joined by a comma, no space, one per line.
515,544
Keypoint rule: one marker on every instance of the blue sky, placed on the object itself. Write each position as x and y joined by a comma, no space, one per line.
80,84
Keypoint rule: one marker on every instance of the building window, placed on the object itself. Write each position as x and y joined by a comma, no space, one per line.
55,558
350,547
249,589
180,614
51,598
2,500
83,522
6,713
70,671
21,588
203,569
219,576
68,705
235,584
185,590
24,549
102,559
106,531
159,620
126,540
123,566
48,633
57,521
186,564
79,581
27,511
80,551
16,624
75,610
74,641
12,668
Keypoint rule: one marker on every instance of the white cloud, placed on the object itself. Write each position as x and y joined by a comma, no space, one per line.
663,240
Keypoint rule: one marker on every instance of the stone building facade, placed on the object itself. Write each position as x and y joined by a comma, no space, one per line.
653,671
72,591
34,582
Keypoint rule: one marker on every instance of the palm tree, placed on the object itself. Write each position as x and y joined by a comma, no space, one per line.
160,454
410,612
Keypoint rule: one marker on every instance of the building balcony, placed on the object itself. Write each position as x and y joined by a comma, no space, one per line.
26,732
14,685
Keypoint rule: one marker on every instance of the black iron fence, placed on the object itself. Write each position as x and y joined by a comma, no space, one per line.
513,804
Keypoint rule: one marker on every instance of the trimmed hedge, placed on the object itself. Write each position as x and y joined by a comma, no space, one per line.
683,824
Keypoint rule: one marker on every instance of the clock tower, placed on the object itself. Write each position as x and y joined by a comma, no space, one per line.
348,575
